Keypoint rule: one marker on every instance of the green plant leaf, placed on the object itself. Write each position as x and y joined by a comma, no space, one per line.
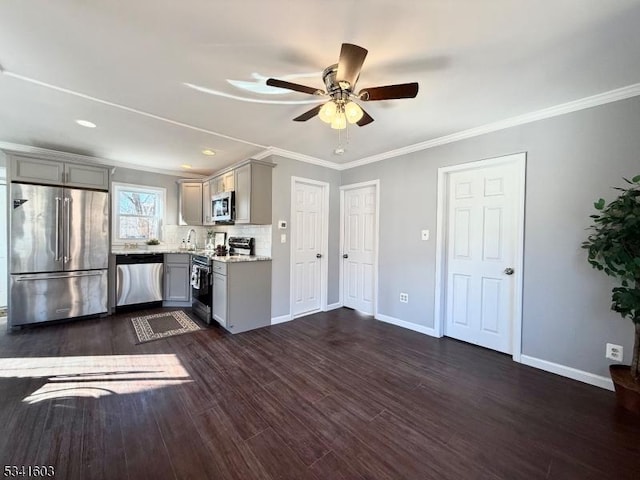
636,179
599,204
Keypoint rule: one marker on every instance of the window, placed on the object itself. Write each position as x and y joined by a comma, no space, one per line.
138,212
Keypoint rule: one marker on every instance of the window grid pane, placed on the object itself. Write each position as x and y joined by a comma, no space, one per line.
139,212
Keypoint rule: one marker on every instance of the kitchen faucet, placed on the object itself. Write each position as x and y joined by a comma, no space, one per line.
189,245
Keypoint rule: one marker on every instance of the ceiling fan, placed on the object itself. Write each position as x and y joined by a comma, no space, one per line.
340,80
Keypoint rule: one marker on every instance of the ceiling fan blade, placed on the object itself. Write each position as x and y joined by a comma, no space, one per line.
274,82
308,114
351,60
365,120
389,92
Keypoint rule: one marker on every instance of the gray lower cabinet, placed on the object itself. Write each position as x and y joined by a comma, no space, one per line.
242,295
177,275
219,309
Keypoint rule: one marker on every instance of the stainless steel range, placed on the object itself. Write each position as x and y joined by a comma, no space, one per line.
241,246
202,276
201,287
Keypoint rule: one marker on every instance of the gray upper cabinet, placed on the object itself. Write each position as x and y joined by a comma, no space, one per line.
53,172
86,176
190,202
253,193
206,203
223,183
251,182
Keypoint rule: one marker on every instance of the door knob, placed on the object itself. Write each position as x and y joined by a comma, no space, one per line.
508,271
346,255
318,255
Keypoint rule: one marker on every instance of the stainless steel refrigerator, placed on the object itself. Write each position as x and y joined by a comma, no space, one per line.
59,253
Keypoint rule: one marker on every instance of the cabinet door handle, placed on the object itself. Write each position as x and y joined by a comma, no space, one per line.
345,255
318,255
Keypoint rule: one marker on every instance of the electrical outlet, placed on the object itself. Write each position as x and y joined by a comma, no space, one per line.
425,235
614,352
404,298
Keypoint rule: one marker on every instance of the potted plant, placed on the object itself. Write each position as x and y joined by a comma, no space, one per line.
614,248
152,243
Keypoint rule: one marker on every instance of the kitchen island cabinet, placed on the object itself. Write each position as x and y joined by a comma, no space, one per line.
242,294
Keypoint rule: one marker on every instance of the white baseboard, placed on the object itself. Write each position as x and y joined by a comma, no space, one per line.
333,306
408,325
569,372
281,319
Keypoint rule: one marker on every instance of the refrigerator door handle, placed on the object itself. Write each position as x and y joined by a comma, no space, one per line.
27,278
57,257
67,213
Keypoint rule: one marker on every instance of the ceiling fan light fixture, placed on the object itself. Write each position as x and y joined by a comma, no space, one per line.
353,112
328,112
339,122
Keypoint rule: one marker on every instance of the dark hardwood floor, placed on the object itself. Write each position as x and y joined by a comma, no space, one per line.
330,396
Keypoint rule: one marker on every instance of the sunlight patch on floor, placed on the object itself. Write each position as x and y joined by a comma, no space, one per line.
95,376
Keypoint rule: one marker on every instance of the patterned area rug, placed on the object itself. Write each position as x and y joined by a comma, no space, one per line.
163,325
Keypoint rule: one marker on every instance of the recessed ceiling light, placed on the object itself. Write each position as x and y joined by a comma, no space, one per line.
208,152
86,123
186,165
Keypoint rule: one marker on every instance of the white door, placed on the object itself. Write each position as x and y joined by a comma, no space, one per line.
3,243
359,248
307,246
483,210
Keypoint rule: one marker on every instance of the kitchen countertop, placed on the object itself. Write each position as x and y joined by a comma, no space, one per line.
238,258
211,255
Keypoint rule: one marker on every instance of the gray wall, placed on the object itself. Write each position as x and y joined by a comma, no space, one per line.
138,177
572,160
280,252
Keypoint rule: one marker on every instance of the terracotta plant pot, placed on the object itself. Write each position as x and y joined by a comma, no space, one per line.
627,390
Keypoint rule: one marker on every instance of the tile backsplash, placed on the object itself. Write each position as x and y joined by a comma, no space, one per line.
174,234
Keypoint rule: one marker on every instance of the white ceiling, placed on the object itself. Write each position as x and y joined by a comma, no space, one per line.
123,66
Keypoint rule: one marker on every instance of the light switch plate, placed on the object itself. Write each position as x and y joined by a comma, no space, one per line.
425,234
283,238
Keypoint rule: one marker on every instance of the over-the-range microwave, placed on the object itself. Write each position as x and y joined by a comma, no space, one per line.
223,207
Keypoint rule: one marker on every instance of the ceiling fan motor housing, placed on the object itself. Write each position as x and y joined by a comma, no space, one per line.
334,89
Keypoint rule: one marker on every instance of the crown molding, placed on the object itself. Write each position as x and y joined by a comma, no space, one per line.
296,156
76,157
561,109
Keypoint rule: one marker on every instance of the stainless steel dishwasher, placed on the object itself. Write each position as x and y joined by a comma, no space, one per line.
138,279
